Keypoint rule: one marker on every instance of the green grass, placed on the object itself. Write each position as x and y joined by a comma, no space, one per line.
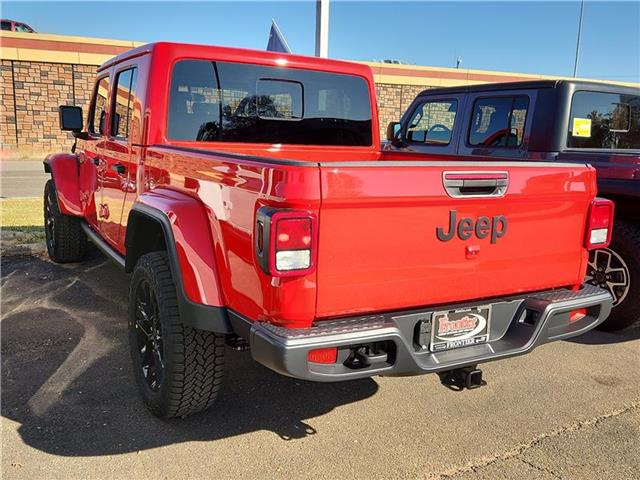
22,218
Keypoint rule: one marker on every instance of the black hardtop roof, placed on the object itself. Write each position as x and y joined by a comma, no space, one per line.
532,85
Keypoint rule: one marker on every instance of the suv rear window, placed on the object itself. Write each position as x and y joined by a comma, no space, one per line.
229,102
498,121
604,120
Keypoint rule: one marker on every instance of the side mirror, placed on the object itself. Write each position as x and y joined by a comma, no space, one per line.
70,119
393,132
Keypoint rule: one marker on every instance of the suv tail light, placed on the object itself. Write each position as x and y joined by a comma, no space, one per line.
285,241
600,223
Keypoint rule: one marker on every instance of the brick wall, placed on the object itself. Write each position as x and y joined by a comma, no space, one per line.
32,91
30,95
7,101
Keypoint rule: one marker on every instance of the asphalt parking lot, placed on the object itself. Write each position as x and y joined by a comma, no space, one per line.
22,178
70,409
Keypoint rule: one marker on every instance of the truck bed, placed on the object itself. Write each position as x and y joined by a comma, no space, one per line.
378,219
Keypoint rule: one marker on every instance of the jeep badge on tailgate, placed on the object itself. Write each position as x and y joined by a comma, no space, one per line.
495,226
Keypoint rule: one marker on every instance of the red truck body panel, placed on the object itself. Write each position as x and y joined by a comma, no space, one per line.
378,224
193,238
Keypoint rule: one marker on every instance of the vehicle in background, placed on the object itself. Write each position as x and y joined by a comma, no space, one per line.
247,194
13,26
565,121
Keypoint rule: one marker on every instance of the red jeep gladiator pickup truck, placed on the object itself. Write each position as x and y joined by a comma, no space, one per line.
247,194
548,120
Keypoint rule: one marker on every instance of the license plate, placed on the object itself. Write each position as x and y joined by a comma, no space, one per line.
460,328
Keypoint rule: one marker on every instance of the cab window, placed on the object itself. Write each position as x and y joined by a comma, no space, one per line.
98,112
122,110
432,122
233,102
604,121
499,121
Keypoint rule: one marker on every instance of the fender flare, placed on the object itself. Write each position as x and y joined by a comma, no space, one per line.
193,313
65,172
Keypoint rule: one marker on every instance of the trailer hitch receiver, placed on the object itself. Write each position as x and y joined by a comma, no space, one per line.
461,378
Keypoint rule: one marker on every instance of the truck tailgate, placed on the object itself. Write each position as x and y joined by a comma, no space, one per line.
385,238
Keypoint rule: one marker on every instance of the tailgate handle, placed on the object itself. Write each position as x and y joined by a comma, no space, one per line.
475,184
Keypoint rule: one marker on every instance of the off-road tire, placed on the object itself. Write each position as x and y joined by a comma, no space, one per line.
66,242
193,359
626,243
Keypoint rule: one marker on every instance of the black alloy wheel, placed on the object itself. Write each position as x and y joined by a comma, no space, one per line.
149,335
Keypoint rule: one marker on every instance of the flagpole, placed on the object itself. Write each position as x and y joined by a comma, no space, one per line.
322,28
575,64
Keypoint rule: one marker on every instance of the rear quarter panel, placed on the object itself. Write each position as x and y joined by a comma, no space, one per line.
230,192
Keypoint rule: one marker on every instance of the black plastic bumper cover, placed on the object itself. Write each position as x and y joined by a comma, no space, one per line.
518,325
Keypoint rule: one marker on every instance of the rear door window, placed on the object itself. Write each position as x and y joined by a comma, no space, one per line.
604,121
122,112
6,26
432,122
498,121
98,112
229,102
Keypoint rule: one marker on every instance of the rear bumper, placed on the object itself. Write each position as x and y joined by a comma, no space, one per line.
512,333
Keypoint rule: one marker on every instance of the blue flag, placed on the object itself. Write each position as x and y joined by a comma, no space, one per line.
277,43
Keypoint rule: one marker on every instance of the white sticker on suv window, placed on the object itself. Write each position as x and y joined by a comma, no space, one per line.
581,127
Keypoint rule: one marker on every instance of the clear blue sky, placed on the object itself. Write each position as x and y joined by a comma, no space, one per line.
533,37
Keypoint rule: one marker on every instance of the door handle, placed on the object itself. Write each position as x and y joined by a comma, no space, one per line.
119,168
475,184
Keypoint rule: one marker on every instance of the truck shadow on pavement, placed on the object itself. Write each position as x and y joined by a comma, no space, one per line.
597,337
67,380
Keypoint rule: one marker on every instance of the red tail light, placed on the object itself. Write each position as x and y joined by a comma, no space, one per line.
293,233
285,241
600,223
